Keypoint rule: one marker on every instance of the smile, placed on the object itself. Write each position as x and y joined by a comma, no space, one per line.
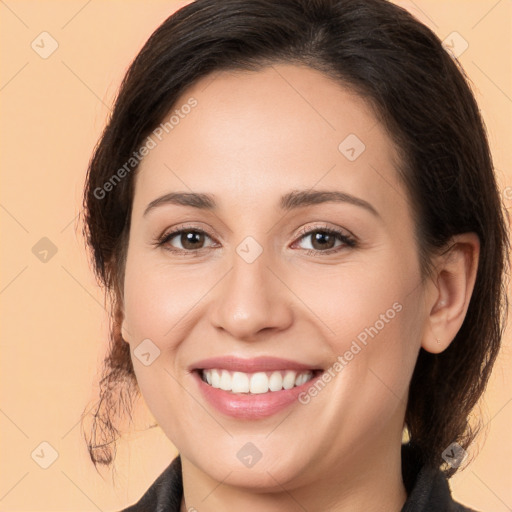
254,388
255,383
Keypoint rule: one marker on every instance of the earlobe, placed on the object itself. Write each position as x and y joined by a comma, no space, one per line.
120,323
124,332
449,296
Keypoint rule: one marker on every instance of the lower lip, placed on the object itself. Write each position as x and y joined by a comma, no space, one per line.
251,406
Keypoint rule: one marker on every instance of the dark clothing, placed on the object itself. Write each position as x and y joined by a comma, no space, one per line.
427,489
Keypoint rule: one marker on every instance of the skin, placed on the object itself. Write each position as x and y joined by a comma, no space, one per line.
253,137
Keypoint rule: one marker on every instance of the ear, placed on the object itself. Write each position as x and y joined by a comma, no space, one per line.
125,332
450,291
120,327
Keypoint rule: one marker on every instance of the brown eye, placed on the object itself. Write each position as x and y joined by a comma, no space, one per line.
184,240
191,240
323,240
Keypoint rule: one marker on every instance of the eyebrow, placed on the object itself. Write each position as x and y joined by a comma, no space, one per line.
290,201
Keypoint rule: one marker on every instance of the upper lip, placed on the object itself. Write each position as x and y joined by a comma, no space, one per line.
257,364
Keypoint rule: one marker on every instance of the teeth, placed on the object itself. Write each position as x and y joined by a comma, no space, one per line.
275,383
225,381
259,382
255,383
215,378
302,378
289,380
240,383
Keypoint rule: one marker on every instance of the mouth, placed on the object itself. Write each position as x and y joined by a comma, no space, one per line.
252,389
256,383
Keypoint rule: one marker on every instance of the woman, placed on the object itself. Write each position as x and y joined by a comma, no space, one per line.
294,210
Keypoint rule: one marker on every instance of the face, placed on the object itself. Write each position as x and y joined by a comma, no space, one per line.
257,287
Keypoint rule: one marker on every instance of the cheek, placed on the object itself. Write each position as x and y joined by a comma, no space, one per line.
162,304
357,299
157,305
372,318
158,299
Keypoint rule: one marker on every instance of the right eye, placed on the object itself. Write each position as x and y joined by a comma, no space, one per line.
190,239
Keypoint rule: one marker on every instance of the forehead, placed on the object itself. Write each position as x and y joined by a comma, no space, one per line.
253,136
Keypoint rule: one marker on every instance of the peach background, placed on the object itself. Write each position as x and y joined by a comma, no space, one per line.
54,326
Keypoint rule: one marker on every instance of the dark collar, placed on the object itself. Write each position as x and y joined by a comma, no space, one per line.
427,489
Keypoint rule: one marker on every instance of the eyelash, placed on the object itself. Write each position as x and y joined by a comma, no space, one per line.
347,240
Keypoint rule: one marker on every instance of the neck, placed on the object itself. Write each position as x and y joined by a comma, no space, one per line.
368,480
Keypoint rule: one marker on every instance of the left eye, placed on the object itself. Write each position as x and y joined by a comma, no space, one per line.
323,240
189,239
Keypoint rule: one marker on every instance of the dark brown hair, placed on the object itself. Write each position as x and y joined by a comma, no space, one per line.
422,97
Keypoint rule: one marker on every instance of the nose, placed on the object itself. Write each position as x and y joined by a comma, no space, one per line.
251,299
